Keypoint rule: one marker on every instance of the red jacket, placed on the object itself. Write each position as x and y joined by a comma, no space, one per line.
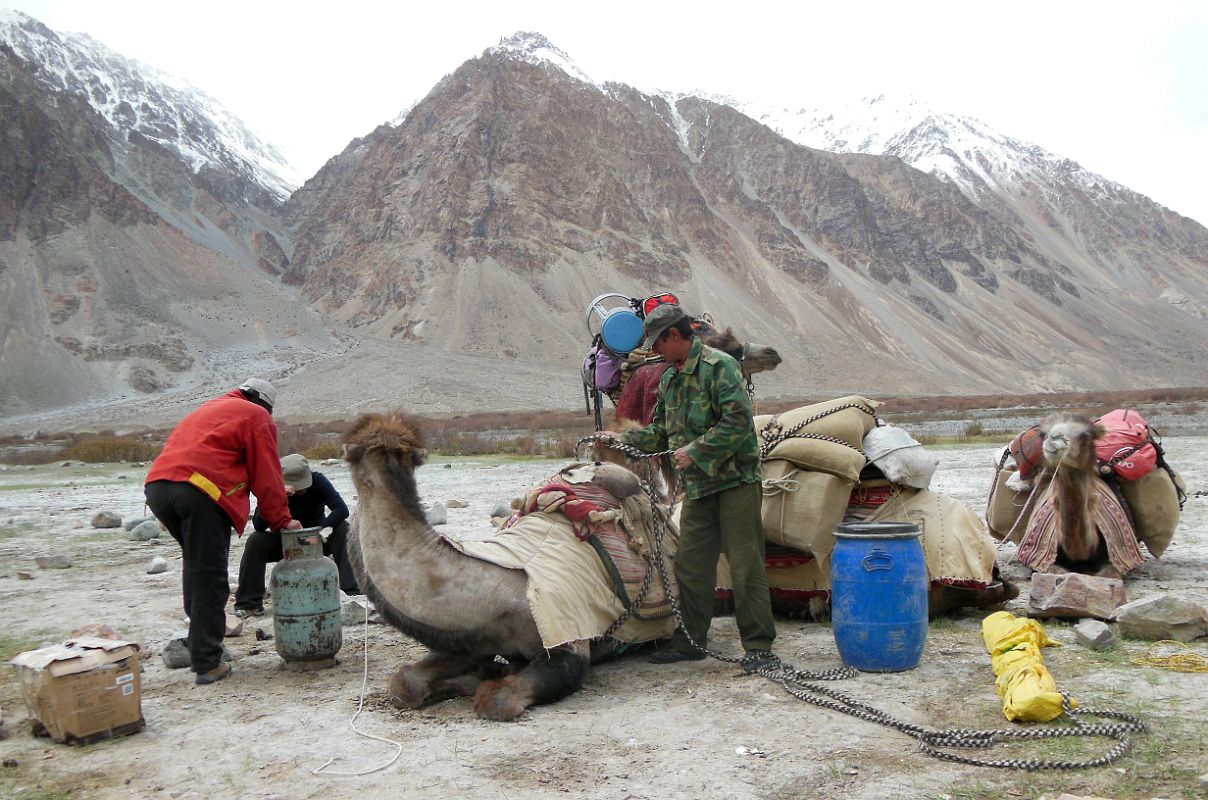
224,448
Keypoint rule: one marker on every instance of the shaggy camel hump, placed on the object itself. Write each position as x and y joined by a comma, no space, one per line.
386,433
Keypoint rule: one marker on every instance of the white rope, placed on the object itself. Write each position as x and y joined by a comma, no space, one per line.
352,722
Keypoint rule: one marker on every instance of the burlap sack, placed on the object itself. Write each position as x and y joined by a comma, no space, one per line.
801,508
849,426
1154,504
1007,510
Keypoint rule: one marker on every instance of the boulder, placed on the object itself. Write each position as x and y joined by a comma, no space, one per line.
134,522
106,519
52,562
1072,596
157,565
1163,617
501,509
456,504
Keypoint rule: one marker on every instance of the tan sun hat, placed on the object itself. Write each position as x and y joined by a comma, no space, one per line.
296,471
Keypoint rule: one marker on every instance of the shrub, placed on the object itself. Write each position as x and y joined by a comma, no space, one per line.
107,448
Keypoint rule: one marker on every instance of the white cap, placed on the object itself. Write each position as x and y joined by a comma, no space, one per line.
262,389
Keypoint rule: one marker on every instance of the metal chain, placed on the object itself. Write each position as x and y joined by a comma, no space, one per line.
796,682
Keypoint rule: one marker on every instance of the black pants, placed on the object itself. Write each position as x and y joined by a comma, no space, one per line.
203,531
264,547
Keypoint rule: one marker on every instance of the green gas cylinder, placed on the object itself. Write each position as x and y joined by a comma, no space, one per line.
307,628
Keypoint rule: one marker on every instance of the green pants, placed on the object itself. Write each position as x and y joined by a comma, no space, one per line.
728,521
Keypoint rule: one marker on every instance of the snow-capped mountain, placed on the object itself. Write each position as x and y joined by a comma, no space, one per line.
137,98
959,149
536,49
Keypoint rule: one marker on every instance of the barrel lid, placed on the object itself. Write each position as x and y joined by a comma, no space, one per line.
879,530
622,331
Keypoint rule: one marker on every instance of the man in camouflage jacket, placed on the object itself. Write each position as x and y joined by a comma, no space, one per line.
704,414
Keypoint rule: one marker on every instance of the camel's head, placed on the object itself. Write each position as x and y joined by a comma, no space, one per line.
386,434
751,357
1069,441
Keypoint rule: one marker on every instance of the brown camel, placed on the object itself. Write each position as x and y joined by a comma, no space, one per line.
467,611
1078,524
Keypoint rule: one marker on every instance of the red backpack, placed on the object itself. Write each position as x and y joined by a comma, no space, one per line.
1127,447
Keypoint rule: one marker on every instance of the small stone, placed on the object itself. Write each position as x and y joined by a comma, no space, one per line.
176,653
157,565
53,562
352,612
262,635
25,575
456,504
501,509
1094,634
106,519
134,522
146,531
234,626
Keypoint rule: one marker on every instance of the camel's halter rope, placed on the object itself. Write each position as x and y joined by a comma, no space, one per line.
800,683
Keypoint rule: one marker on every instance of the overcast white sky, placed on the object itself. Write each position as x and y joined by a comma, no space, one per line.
1121,87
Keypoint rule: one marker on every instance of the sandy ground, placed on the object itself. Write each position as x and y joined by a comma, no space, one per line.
634,731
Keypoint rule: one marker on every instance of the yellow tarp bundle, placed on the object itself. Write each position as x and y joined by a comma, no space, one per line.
1028,691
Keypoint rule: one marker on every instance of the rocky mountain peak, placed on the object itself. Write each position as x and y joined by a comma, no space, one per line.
536,49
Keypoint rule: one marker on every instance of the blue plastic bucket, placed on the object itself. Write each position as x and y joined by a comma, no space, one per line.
622,331
879,595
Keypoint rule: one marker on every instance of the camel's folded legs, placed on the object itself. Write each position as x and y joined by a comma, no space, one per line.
436,677
542,680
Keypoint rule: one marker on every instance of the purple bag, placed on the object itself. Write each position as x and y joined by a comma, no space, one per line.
602,369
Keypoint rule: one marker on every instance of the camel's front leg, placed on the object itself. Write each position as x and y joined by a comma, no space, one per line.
437,677
548,678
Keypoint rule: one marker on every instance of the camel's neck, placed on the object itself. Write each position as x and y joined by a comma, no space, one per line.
1072,496
425,583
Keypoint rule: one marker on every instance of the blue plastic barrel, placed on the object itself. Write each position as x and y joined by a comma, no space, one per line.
622,331
879,595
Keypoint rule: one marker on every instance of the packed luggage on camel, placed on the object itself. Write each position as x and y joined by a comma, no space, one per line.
822,464
1080,495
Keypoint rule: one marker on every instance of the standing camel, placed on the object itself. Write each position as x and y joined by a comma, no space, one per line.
1078,524
466,610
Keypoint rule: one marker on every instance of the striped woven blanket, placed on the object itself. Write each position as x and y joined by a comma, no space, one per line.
1038,547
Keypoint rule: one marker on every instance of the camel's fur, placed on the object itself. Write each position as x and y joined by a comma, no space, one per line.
1070,465
466,611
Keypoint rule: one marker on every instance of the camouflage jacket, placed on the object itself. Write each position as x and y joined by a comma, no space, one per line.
705,407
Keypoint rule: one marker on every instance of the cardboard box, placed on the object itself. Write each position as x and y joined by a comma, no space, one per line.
83,690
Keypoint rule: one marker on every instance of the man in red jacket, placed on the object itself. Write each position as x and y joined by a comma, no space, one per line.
198,488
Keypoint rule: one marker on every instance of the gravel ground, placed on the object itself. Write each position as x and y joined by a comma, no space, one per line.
634,731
